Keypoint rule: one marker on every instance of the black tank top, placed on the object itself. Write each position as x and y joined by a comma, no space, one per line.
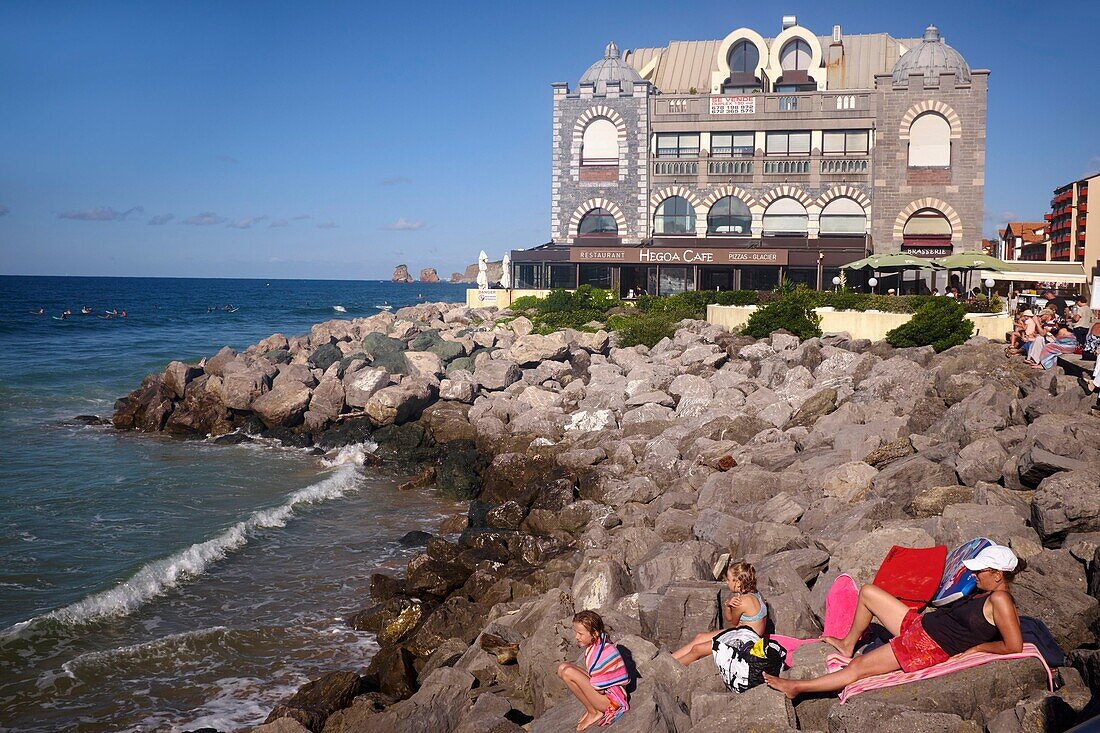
960,625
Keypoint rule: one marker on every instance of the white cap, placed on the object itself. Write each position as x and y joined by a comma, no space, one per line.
994,557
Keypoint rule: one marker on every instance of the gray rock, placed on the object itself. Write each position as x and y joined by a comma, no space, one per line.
860,716
459,390
399,403
328,398
599,582
532,349
848,482
178,375
242,385
981,461
424,365
497,374
325,356
903,479
758,709
377,344
361,384
216,364
283,406
1066,502
1053,588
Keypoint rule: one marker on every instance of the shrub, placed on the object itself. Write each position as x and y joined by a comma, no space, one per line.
792,310
845,300
644,328
939,322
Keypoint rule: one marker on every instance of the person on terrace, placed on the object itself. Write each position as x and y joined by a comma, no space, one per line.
985,621
1064,343
746,607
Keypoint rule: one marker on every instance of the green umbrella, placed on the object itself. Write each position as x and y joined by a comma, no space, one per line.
970,261
871,261
898,262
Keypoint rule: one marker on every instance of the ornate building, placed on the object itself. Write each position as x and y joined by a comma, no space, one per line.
732,163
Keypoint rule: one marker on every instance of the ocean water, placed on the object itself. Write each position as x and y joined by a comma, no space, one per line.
149,583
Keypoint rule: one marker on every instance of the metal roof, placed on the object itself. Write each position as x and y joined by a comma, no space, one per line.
932,57
681,65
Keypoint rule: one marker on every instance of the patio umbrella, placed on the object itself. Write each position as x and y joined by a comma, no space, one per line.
871,261
969,262
899,263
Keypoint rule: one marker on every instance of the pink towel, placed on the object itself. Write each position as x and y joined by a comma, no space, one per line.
835,662
608,673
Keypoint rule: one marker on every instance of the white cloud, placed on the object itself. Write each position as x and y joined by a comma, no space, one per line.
100,213
405,225
278,223
205,219
247,223
160,219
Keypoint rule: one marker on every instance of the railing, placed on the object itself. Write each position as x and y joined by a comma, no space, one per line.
739,151
676,167
677,152
856,102
786,166
729,167
844,165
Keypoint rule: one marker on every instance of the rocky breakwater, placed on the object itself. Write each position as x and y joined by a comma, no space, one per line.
611,479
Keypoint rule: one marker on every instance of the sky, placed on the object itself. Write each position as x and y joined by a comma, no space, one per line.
337,140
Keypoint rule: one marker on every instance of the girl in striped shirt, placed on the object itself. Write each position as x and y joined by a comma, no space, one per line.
600,680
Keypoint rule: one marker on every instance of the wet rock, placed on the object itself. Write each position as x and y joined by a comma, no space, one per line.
147,408
315,701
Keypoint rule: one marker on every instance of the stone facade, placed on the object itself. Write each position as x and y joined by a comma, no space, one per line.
623,191
957,191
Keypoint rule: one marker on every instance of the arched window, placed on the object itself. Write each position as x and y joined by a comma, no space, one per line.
843,216
598,222
927,226
785,216
600,145
930,141
729,215
675,215
795,56
744,58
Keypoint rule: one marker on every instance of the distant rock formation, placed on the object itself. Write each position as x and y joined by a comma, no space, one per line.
470,276
401,274
429,275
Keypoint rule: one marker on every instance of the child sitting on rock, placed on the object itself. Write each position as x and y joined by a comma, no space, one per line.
599,682
746,607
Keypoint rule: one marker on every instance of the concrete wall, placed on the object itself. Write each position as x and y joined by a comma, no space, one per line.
498,298
859,324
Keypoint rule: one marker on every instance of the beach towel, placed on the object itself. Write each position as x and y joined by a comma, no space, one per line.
840,611
912,574
608,673
835,662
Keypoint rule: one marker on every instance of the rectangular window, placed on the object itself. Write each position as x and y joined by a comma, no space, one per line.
598,276
844,142
563,277
527,277
676,280
677,145
732,144
788,143
759,278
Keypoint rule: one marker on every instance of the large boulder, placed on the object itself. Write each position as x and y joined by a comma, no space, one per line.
242,385
981,461
1053,588
439,705
497,374
532,349
1066,502
424,365
325,356
861,716
315,701
362,383
399,403
283,406
377,344
178,375
328,398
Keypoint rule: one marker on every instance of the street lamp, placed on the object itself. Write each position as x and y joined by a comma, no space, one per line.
989,283
873,282
836,283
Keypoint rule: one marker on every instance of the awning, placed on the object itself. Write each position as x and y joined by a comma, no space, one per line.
1038,271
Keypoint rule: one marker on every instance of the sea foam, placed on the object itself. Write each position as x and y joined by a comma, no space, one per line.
159,576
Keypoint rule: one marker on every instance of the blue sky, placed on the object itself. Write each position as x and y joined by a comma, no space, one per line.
336,140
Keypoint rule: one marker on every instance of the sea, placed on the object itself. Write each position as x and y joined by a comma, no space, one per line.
149,583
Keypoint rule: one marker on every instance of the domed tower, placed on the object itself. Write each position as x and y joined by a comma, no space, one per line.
599,192
930,121
932,57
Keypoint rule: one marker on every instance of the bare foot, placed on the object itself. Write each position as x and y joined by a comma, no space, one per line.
839,645
588,720
787,687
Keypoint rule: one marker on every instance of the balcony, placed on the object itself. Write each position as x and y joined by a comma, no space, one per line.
682,108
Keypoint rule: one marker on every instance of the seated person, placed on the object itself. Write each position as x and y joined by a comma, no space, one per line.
985,621
1064,343
599,682
745,608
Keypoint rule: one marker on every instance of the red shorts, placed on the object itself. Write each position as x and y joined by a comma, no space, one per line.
913,647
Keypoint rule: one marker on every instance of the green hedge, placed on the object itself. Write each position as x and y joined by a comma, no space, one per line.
939,323
792,311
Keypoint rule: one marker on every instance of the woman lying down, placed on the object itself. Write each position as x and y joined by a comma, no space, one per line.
984,621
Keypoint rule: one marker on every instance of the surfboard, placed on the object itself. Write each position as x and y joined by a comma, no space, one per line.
840,606
912,575
956,580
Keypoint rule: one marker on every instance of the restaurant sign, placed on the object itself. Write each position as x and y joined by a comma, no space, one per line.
677,256
926,250
737,105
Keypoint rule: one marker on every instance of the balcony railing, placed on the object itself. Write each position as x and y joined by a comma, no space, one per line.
729,167
676,167
844,165
858,103
787,166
